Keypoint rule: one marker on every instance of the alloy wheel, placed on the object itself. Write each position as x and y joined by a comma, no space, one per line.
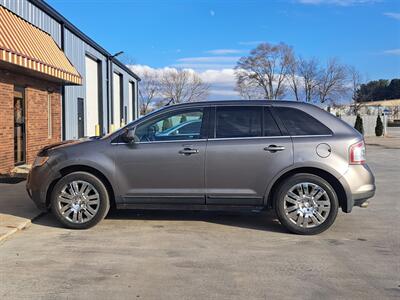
78,201
307,205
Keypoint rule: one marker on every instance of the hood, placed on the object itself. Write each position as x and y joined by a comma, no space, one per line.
45,150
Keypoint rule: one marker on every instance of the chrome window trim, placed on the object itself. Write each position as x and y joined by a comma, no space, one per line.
250,138
161,142
270,137
234,138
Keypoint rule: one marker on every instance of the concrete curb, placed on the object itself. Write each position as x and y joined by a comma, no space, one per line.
20,226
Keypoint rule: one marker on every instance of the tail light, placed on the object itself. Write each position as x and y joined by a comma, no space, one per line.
357,153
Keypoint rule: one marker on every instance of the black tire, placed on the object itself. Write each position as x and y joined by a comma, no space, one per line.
279,203
104,203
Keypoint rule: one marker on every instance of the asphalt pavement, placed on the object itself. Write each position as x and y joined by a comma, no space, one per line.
203,255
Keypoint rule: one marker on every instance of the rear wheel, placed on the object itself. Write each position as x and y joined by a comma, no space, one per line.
306,204
80,200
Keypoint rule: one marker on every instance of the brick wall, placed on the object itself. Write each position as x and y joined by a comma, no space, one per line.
6,126
36,112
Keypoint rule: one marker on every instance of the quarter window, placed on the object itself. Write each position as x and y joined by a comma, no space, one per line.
185,125
238,122
297,122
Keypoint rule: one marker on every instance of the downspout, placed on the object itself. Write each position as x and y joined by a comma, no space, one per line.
63,122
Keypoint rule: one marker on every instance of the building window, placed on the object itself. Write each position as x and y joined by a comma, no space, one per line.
49,117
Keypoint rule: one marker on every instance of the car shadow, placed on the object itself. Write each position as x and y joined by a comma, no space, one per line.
262,221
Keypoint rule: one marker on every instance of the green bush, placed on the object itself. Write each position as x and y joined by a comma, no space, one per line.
379,126
359,125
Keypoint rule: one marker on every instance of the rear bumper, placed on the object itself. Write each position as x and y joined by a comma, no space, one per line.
38,182
359,184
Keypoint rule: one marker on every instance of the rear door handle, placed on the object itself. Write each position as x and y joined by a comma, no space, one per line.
188,151
274,148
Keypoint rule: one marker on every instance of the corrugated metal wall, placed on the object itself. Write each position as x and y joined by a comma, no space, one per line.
76,50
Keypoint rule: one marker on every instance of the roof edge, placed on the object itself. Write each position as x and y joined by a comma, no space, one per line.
49,10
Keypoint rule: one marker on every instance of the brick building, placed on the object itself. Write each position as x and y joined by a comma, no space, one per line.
33,70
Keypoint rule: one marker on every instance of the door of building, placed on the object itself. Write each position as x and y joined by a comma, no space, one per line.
81,118
19,126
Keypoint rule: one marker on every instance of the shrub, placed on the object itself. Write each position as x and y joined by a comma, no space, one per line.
379,126
359,125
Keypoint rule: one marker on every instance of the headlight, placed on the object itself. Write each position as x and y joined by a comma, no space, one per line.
39,161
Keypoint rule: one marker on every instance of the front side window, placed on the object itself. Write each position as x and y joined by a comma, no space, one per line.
238,121
184,125
298,122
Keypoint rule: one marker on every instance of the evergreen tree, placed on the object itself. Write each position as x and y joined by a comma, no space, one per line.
359,125
379,126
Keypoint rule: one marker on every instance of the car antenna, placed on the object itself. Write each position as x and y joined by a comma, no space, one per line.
169,102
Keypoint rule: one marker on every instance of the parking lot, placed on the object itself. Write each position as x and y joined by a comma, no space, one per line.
199,255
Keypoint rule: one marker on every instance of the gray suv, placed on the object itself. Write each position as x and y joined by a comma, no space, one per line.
293,157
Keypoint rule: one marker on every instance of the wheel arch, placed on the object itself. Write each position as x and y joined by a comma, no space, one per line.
331,179
82,168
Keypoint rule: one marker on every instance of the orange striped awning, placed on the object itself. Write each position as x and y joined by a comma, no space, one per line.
27,46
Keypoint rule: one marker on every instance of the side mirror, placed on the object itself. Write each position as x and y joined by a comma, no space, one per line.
128,136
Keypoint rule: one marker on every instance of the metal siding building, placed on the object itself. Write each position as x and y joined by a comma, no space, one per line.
96,96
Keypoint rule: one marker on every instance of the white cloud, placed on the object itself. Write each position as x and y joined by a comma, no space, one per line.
224,51
210,59
392,15
392,52
203,63
337,2
222,82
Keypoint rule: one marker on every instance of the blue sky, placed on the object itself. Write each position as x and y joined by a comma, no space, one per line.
212,35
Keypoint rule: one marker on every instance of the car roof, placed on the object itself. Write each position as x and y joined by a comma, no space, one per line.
239,103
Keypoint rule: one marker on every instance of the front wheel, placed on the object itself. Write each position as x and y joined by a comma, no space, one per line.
306,204
80,200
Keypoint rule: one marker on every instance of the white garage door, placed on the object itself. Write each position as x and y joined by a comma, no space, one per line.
117,100
131,102
92,96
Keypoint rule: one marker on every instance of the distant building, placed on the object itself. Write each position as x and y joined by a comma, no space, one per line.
55,83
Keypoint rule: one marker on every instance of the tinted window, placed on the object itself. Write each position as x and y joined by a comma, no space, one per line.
178,126
270,126
238,122
298,122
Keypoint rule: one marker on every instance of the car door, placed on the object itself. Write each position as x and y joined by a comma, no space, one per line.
246,151
164,167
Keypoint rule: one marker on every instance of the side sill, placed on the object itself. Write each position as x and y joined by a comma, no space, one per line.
191,207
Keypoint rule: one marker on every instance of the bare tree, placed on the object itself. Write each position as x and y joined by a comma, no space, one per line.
249,89
308,71
267,65
303,75
332,81
294,79
149,90
356,80
183,86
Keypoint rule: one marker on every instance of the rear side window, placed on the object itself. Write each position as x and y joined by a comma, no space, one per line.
238,121
297,122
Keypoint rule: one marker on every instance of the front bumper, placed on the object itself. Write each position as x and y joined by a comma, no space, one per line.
359,184
38,183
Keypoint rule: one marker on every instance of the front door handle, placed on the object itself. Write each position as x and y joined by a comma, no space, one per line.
188,151
274,148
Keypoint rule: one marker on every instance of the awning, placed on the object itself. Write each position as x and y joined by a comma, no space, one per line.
24,45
